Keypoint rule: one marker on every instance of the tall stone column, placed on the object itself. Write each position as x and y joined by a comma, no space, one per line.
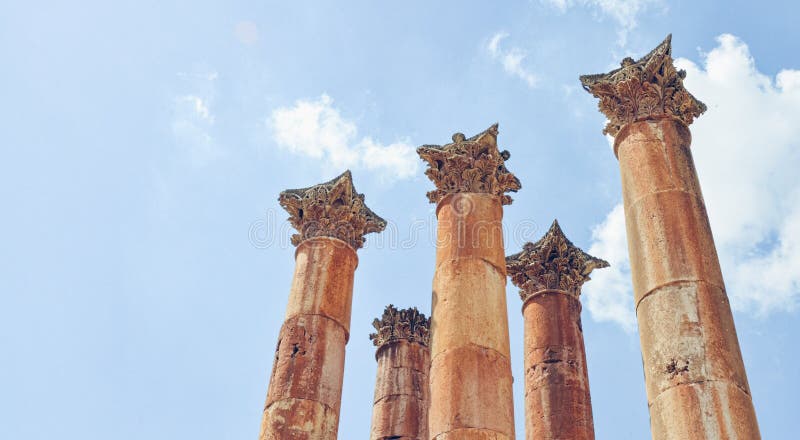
694,374
550,274
305,388
471,392
402,396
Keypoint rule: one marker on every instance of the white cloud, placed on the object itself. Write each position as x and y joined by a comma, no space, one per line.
318,130
193,118
198,105
624,12
511,59
608,295
747,152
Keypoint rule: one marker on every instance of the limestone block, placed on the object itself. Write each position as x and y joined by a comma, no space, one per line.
707,410
309,361
469,307
299,419
471,387
688,335
323,280
670,240
470,226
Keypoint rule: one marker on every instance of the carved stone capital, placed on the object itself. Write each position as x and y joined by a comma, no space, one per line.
552,263
408,324
650,88
473,165
330,209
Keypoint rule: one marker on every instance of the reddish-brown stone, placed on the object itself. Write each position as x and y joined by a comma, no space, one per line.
695,378
557,400
402,396
550,274
305,389
470,377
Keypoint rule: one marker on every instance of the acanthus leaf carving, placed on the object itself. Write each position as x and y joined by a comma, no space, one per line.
552,263
408,324
330,209
473,165
650,88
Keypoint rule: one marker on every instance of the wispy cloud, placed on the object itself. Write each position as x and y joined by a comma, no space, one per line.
624,12
316,129
193,119
511,59
747,150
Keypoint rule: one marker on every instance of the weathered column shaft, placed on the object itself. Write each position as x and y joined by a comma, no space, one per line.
695,377
305,388
550,274
306,384
402,396
470,377
694,373
471,383
557,400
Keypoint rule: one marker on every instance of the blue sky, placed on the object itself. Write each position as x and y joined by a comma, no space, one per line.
144,265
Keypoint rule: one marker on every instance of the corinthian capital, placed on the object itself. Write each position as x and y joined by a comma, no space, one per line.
473,165
330,209
408,324
552,263
650,88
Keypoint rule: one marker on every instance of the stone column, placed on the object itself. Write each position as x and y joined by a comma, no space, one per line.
402,397
305,388
471,392
694,374
550,274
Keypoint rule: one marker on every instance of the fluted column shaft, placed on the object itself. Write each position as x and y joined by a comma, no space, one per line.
470,377
557,400
402,396
305,388
695,378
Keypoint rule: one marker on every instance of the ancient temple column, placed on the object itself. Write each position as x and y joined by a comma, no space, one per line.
402,396
550,274
470,378
694,374
305,388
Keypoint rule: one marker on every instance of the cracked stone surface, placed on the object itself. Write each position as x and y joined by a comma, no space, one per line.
550,274
694,375
305,390
470,376
686,327
402,394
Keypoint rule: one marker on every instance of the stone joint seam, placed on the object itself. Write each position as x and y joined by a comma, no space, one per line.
386,396
697,197
551,346
330,408
472,345
623,133
545,292
346,332
416,370
655,290
501,271
382,349
699,382
501,435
